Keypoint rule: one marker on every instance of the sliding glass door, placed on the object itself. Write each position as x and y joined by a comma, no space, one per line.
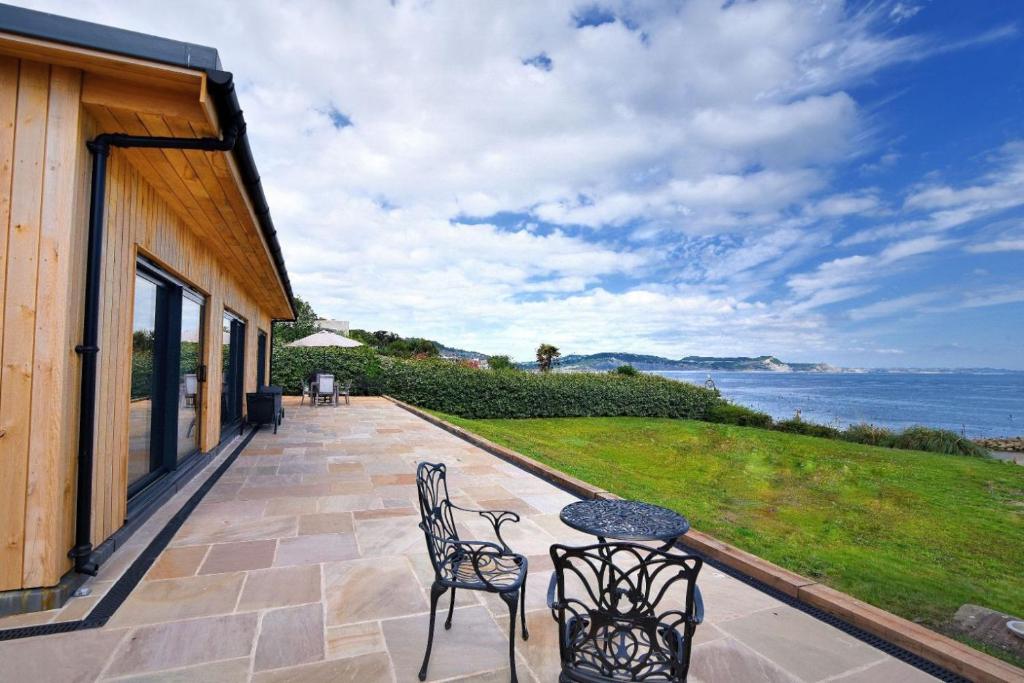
148,328
189,368
233,365
166,376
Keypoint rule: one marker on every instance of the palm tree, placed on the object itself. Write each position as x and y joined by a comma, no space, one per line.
546,355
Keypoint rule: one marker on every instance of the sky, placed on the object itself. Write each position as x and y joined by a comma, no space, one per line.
819,181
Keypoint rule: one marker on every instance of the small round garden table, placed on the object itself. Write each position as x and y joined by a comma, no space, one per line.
625,520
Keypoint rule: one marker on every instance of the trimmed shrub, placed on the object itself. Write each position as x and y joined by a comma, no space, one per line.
731,414
471,393
627,370
360,365
798,426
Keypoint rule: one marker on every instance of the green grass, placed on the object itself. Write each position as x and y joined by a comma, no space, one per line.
915,533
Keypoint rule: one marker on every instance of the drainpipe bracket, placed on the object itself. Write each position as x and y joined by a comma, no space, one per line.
81,554
98,145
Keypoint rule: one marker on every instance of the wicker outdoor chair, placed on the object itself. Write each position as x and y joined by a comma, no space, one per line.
607,599
472,565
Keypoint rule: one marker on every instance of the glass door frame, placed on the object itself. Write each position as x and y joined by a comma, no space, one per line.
200,406
233,381
166,367
157,436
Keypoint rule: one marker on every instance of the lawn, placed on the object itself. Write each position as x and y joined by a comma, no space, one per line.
915,533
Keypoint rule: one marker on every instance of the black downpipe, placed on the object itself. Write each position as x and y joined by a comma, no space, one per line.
89,348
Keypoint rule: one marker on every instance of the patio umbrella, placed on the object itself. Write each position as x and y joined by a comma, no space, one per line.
324,339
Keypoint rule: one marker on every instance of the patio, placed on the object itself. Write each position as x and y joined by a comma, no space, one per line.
304,562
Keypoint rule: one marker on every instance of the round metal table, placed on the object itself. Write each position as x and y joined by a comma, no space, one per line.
625,520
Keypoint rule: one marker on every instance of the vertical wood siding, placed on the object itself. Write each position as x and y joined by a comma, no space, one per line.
139,222
44,189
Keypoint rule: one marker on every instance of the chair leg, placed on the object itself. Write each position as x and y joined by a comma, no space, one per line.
522,609
512,600
436,591
451,608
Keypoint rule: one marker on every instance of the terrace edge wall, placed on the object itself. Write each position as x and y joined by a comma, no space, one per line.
45,174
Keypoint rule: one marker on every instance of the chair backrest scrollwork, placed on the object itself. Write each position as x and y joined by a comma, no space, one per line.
625,611
436,519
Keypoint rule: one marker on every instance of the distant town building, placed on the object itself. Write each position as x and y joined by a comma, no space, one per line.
339,326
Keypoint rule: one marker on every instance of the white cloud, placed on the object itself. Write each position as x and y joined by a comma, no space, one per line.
887,307
997,246
698,141
846,205
851,276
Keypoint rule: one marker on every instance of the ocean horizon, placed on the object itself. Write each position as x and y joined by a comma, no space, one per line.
988,403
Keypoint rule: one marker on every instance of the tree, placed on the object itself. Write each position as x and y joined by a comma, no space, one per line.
626,369
501,363
363,337
546,355
384,337
304,325
424,348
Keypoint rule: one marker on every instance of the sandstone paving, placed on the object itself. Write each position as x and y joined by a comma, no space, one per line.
290,636
794,640
304,563
280,587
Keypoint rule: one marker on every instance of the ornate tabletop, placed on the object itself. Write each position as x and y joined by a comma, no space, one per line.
625,520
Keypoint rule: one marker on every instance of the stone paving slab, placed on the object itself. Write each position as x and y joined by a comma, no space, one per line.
304,563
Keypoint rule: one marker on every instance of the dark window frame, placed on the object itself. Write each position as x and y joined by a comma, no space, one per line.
164,458
235,400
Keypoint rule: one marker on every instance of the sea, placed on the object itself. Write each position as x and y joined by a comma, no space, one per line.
976,404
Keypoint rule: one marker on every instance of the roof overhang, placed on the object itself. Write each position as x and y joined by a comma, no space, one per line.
145,85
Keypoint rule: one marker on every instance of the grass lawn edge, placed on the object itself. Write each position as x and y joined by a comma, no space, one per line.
951,654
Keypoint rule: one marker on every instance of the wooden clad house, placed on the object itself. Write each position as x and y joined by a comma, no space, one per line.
107,405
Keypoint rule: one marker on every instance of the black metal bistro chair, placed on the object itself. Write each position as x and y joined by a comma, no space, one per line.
607,599
473,565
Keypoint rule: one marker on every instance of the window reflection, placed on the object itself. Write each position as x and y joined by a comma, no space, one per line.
141,410
189,401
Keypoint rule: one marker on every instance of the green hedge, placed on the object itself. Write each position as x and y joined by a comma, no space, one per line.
479,394
360,365
470,393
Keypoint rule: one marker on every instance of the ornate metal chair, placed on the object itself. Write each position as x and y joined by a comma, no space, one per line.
607,599
473,565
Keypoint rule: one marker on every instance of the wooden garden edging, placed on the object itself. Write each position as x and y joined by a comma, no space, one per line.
948,653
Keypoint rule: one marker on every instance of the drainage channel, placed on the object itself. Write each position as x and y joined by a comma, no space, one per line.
120,591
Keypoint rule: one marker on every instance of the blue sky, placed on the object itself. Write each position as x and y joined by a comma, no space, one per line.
815,180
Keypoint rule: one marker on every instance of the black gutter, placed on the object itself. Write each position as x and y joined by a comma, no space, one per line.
221,86
107,39
118,41
85,34
100,147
